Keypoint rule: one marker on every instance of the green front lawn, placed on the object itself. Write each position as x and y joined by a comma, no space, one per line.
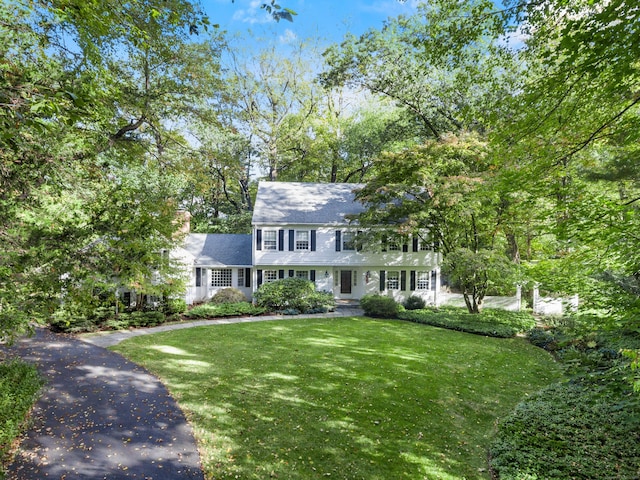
350,398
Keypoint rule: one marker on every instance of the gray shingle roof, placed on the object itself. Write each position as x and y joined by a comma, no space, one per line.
305,203
213,249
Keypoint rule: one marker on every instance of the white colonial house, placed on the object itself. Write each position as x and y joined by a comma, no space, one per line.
306,230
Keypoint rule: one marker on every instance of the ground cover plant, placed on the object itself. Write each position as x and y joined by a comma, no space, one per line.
349,398
491,322
584,428
19,387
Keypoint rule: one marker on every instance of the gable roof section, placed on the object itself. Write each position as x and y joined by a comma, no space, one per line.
305,203
219,249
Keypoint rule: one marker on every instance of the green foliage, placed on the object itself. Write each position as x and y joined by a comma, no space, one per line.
228,295
491,322
224,310
175,306
293,293
475,272
19,387
379,306
423,399
414,303
579,429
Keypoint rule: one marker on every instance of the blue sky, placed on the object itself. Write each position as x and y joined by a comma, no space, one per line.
328,20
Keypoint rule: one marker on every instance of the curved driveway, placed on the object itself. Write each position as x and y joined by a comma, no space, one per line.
103,417
100,417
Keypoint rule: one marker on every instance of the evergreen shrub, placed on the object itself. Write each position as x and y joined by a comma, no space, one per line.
379,306
228,295
414,303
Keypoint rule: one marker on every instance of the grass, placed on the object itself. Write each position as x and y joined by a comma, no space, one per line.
19,388
350,398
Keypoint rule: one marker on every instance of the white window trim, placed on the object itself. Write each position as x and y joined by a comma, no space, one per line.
393,280
302,244
221,277
269,276
269,243
423,283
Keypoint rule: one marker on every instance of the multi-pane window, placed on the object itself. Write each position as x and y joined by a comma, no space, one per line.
304,274
348,241
393,246
269,276
422,280
241,277
302,239
393,280
269,240
221,277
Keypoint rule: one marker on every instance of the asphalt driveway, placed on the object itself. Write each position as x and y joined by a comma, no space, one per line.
100,417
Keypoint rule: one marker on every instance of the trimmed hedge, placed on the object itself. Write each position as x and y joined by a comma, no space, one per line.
211,310
491,322
379,306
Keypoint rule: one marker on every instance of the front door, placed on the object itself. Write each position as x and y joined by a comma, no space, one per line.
345,282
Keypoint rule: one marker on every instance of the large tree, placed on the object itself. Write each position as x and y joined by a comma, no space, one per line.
91,95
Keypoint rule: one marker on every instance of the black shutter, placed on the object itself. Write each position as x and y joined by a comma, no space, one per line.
198,277
403,280
383,280
292,239
415,244
280,273
338,240
313,240
359,240
247,277
434,277
413,280
281,240
312,275
292,273
258,239
259,272
405,248
384,243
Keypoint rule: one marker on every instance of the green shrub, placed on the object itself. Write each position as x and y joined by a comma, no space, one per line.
224,310
491,322
72,318
175,306
293,293
586,428
228,295
19,387
414,303
379,306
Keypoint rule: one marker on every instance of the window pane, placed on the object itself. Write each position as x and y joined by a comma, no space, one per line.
302,274
393,280
348,241
241,277
269,276
221,277
302,240
269,240
422,280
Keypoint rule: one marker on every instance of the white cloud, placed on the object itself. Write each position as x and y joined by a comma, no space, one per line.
390,8
252,14
288,37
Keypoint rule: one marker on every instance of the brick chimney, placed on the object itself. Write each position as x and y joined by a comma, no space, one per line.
183,220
